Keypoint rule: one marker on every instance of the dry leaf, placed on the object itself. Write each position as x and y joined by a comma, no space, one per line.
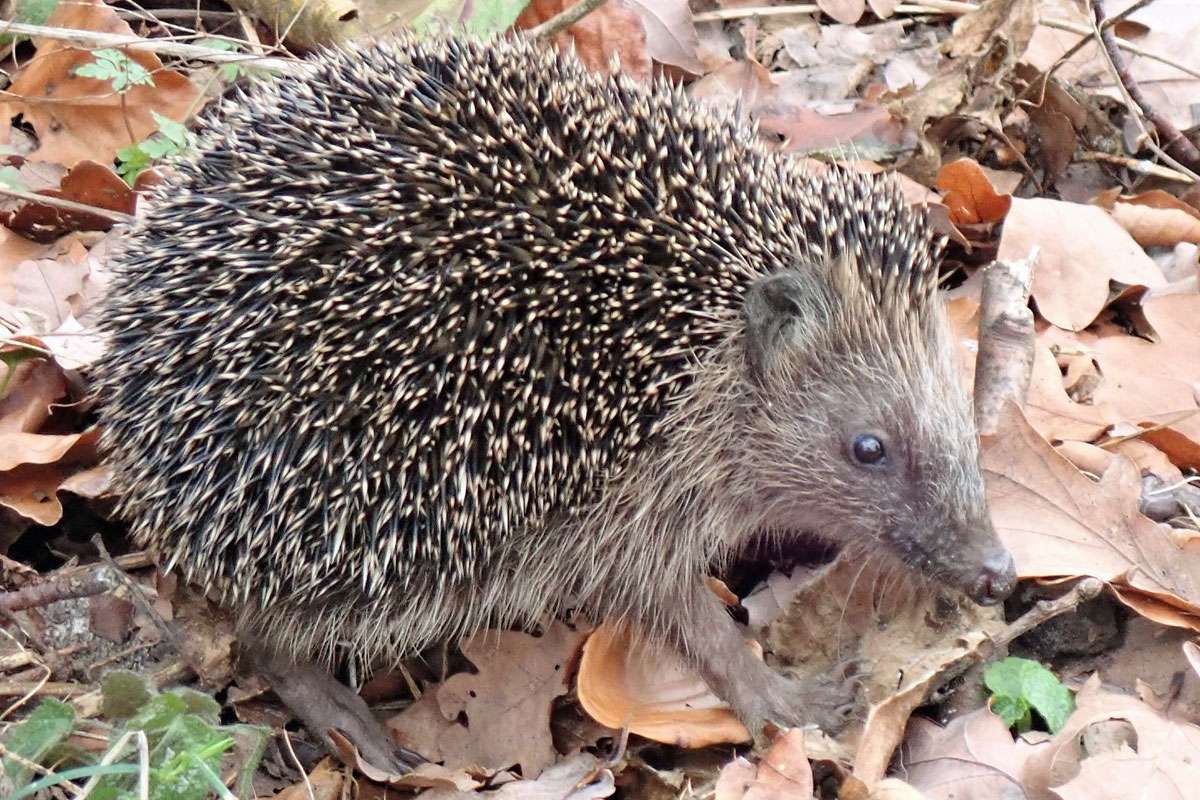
323,783
79,118
1164,764
500,715
782,773
973,757
1057,522
671,36
1082,249
652,692
969,194
614,29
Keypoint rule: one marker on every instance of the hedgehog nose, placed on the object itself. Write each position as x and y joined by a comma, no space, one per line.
997,578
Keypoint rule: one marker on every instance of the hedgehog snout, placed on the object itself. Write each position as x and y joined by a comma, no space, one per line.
995,580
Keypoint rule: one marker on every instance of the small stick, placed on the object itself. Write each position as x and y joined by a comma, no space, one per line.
1138,101
1006,342
563,20
139,597
1141,166
1045,610
62,587
67,205
93,40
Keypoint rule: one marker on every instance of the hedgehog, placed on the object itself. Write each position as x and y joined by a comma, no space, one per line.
451,334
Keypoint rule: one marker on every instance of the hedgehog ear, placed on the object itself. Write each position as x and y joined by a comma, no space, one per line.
782,312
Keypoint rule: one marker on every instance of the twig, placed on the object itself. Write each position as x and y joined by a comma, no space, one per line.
287,740
563,20
35,768
1138,101
66,205
136,593
1045,610
92,40
1006,339
1141,166
61,587
41,688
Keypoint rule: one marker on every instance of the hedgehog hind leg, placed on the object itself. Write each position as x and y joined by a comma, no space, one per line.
324,703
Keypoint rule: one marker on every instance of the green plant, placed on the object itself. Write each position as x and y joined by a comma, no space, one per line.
112,65
167,744
170,139
1020,686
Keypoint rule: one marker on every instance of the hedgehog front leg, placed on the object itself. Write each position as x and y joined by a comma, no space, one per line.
757,693
323,703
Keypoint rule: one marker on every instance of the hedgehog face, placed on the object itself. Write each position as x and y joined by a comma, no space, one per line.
864,444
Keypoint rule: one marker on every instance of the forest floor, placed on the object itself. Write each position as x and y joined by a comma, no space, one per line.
1035,136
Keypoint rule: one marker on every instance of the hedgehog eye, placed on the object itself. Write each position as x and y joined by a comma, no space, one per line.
868,449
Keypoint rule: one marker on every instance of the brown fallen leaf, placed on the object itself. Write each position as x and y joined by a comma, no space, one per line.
323,783
969,193
88,183
671,36
1082,250
499,716
782,773
1165,763
652,692
34,466
79,118
974,757
1057,522
1154,217
1154,381
614,29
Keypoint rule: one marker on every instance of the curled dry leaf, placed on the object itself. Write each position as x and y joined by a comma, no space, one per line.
1154,217
969,194
1161,760
88,183
1082,250
34,466
628,683
1057,522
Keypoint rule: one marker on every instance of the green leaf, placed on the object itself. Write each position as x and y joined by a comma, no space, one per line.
45,728
156,716
10,176
176,132
494,16
29,12
1013,711
116,67
123,693
1021,684
482,18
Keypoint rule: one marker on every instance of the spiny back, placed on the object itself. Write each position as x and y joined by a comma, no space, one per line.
394,313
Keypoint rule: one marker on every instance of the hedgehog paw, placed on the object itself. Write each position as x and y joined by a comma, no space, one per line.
337,716
827,702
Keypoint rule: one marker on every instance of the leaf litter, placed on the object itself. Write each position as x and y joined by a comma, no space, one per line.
1005,119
